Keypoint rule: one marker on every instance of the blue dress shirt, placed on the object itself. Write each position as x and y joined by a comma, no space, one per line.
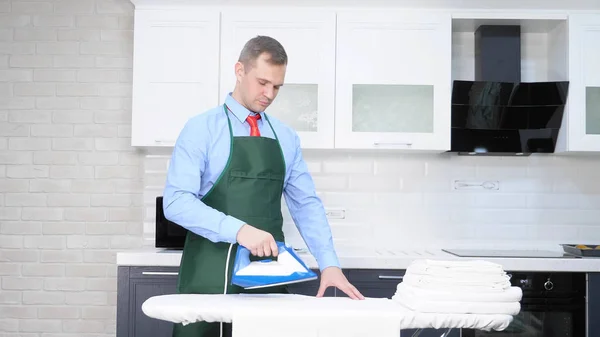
200,155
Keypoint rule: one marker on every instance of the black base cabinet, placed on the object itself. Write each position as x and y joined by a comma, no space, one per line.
137,284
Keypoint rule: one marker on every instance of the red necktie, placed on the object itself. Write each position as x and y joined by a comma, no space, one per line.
253,125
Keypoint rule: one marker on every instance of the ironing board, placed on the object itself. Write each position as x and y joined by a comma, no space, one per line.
190,308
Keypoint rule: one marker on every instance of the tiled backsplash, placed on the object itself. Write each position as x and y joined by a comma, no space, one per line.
397,200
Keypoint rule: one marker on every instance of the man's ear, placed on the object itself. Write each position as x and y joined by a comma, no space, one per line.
239,71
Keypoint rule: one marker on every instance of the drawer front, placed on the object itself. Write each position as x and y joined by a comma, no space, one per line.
376,275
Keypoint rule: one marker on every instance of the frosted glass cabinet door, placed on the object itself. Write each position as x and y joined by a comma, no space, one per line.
393,80
584,87
306,100
173,79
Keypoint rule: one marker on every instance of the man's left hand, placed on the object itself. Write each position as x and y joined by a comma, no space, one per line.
333,277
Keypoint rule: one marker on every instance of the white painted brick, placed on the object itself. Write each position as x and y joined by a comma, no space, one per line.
14,130
31,117
64,284
113,144
101,284
116,90
58,48
68,200
109,172
86,270
102,103
16,75
98,21
85,214
27,171
9,325
125,22
51,130
32,7
5,8
98,158
99,256
6,34
83,326
35,34
73,61
72,144
87,298
11,241
103,200
345,166
88,241
96,130
65,34
43,269
17,48
9,269
30,61
15,158
20,227
126,76
55,158
63,228
24,144
41,214
57,103
53,21
128,186
98,76
53,312
10,213
49,186
114,62
40,325
24,199
57,256
11,255
116,35
74,6
79,89
51,75
75,172
11,20
91,186
17,103
45,242
74,117
6,90
105,48
22,283
98,312
10,297
13,311
126,242
125,214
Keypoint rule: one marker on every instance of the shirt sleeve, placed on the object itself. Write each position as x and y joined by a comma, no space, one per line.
182,203
308,212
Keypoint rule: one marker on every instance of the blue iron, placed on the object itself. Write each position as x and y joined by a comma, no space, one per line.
251,272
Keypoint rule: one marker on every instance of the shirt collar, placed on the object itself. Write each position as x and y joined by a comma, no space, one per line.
238,110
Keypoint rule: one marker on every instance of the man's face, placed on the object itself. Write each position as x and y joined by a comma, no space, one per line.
260,84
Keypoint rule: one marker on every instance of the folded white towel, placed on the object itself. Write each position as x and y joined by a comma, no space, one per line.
475,284
512,294
479,268
419,304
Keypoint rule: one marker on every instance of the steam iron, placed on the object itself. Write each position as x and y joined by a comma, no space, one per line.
251,272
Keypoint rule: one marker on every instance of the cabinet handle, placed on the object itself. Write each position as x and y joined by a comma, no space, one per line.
162,141
390,277
160,273
392,143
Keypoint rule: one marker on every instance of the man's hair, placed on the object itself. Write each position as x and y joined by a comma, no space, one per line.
259,45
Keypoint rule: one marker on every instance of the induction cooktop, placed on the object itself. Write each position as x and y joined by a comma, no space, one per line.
511,253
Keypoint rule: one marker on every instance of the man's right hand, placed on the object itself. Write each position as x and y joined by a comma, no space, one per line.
258,242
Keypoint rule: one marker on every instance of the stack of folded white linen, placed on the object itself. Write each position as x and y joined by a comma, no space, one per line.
458,287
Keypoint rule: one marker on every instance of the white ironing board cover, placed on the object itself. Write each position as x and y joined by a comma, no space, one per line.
190,308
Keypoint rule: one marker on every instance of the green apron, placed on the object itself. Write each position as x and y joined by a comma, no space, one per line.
250,189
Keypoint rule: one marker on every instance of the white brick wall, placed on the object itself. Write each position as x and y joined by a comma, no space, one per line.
70,184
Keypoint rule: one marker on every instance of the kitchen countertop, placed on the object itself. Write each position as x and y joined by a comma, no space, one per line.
380,259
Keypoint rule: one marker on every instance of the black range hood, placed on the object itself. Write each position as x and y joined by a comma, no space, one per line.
497,114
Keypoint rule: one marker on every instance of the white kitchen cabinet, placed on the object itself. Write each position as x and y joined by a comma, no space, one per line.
175,74
584,87
306,100
393,76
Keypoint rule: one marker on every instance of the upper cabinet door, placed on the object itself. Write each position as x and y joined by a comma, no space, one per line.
176,76
306,100
393,80
584,87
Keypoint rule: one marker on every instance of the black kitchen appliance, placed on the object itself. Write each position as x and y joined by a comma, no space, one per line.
553,305
167,233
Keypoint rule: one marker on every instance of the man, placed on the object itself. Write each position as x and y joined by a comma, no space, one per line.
229,169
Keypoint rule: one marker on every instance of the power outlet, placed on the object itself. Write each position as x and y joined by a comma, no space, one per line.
335,213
